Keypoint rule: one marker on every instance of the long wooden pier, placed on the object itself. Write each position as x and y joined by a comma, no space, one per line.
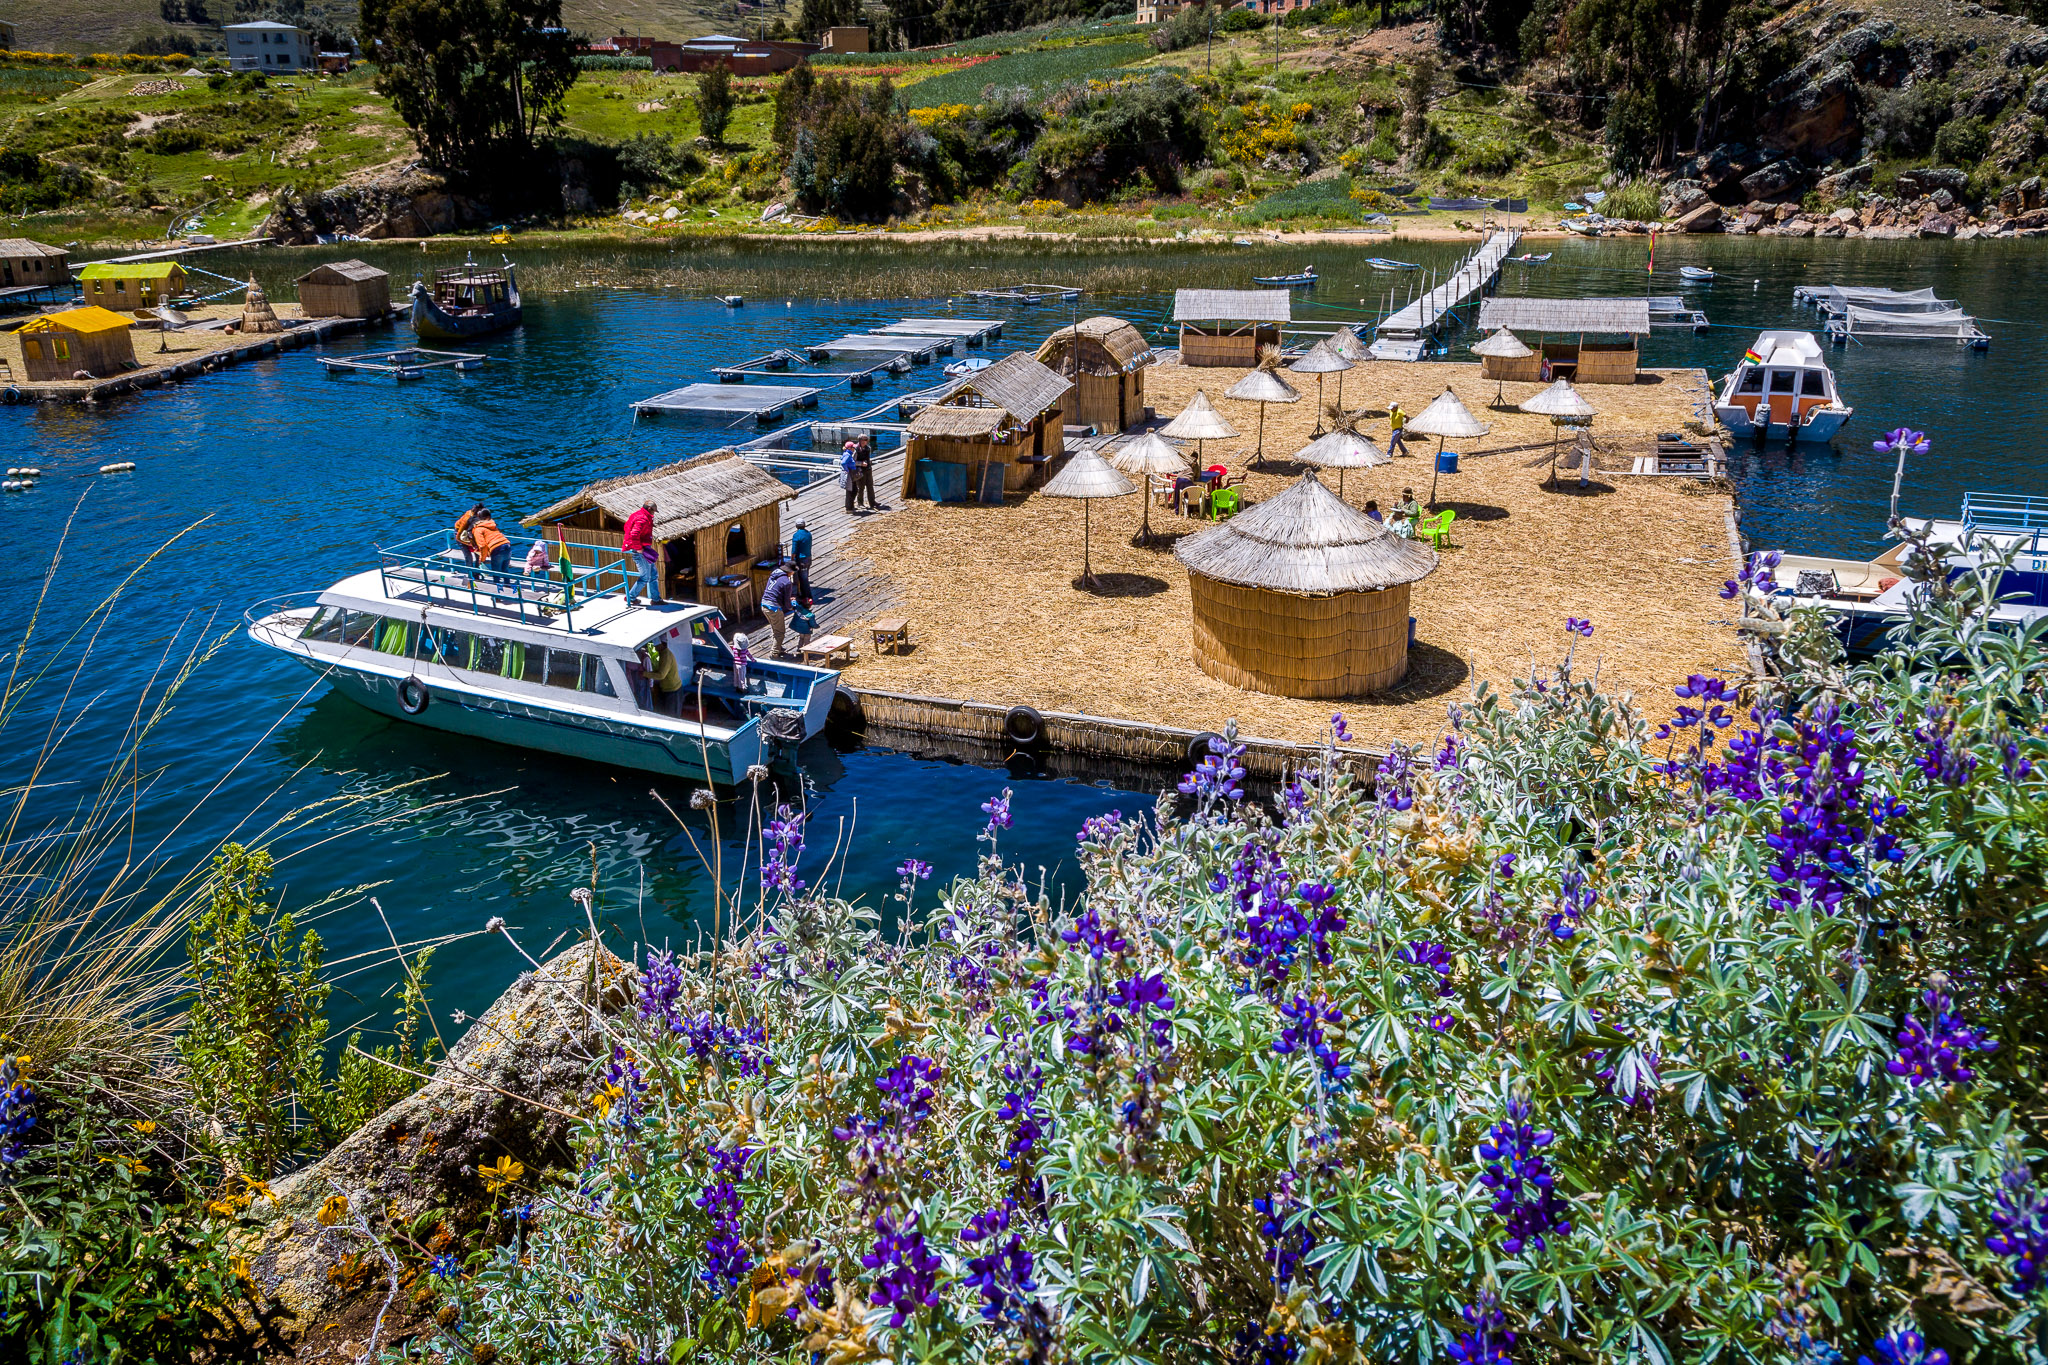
1405,333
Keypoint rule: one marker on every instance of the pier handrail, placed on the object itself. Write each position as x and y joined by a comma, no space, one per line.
2005,512
435,561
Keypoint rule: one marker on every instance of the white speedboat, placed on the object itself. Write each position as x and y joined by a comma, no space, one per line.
1868,600
1695,274
427,638
1782,390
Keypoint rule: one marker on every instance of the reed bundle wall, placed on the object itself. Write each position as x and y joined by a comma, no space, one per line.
1236,349
1607,362
1107,402
1344,645
346,298
1527,369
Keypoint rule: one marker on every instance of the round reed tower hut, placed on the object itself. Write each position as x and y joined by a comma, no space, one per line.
1303,596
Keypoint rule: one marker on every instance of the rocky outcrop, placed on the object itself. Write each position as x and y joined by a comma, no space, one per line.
1703,218
1681,197
1928,180
410,203
505,1093
1820,118
1778,180
1843,184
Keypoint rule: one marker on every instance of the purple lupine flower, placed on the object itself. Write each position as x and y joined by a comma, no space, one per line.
2019,1210
444,1267
1139,995
1901,438
660,991
1020,1106
1758,574
1449,752
1097,938
911,870
1422,952
1937,1052
1486,1339
1001,1275
1305,1031
729,1263
1581,628
1395,780
907,1090
17,1112
1100,829
1904,1346
1339,727
2015,766
625,1083
907,1279
1220,774
1644,1095
1713,696
1941,760
1574,898
997,808
1505,868
1521,1181
1285,1246
785,846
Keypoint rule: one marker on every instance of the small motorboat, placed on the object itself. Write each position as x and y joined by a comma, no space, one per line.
1782,390
972,365
732,300
1242,241
1531,258
1695,274
1382,263
1299,280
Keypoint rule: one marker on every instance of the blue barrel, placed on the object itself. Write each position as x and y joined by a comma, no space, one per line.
1447,462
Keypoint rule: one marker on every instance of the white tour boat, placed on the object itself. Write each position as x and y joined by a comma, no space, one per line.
509,657
1782,390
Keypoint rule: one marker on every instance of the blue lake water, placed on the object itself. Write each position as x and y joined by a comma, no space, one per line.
274,477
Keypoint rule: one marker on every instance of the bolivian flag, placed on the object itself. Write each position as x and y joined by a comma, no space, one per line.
1752,357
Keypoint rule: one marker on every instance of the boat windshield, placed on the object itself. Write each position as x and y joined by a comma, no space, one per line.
1814,385
1752,381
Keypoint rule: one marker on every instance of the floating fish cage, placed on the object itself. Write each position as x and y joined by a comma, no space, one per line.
411,362
1867,324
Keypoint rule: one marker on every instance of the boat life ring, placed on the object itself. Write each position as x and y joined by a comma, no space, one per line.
1198,747
845,715
1024,727
413,696
12,394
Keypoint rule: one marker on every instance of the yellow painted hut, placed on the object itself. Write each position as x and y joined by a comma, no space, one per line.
1303,596
1008,415
344,289
714,516
1229,327
80,341
1588,341
134,285
1106,358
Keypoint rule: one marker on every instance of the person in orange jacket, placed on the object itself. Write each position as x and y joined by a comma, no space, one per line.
491,544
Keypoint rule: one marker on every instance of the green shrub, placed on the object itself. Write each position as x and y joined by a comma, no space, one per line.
1039,70
1491,155
651,160
844,143
1636,199
1240,20
604,61
714,102
1311,199
1906,121
1962,141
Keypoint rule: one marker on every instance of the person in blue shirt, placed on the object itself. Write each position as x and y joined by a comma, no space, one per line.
778,600
800,556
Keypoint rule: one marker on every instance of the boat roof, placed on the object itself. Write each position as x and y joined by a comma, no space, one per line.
1789,348
603,624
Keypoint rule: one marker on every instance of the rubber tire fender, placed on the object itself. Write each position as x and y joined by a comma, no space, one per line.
1198,747
413,696
1024,728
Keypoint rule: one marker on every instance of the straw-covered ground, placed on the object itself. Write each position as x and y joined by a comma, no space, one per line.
996,616
155,349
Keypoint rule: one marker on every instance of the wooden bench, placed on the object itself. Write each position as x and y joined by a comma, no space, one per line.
827,648
891,634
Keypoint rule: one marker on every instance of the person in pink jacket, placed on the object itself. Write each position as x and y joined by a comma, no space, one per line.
644,554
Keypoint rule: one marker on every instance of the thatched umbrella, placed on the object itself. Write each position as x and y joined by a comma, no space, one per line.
1262,386
1558,402
1443,419
1322,359
1147,455
1502,345
1346,343
1341,450
1087,476
1303,596
1198,422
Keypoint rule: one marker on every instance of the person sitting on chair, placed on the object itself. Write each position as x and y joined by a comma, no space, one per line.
1372,510
1405,512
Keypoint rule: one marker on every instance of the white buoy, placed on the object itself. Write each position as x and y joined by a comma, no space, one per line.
121,468
9,486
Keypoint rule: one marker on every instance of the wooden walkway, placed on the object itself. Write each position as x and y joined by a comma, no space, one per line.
846,592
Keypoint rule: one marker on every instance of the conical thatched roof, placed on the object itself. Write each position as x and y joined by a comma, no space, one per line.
1199,421
1149,454
1559,400
1449,418
1322,358
1503,345
1088,475
1341,450
1262,386
1306,541
1345,342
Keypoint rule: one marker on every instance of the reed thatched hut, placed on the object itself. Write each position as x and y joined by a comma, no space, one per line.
714,515
1588,341
345,289
1229,327
1012,419
1106,358
133,285
95,342
1303,596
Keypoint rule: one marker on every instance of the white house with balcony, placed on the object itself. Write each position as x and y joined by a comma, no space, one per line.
267,45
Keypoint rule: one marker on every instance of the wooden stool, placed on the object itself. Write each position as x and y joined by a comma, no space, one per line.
826,648
891,634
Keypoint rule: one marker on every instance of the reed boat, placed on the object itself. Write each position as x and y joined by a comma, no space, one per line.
426,637
1867,601
1782,390
468,301
1300,279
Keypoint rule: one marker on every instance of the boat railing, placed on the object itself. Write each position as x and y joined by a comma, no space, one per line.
2005,513
437,567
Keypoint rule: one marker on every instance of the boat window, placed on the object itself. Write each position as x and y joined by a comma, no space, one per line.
320,624
1782,380
596,677
441,645
565,668
1752,381
393,637
486,655
533,662
1814,384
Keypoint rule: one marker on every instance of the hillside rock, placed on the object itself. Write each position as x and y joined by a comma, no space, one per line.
1681,197
1820,119
1843,184
404,204
2028,50
503,1091
1773,182
1917,184
1704,218
2037,98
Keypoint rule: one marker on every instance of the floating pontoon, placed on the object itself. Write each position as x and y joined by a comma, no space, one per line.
1669,310
1876,324
1025,293
762,402
1834,299
411,362
974,331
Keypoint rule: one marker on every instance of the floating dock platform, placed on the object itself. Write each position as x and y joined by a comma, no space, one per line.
973,331
1669,310
780,358
1026,294
410,362
918,350
1405,333
762,402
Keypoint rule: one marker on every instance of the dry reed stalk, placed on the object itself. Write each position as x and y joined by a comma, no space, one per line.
1000,621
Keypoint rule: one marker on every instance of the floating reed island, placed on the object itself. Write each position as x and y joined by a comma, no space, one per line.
998,613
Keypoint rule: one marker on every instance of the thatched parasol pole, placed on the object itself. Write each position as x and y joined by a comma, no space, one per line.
1087,567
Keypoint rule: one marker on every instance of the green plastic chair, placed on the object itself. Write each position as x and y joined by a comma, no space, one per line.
1224,502
1437,529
